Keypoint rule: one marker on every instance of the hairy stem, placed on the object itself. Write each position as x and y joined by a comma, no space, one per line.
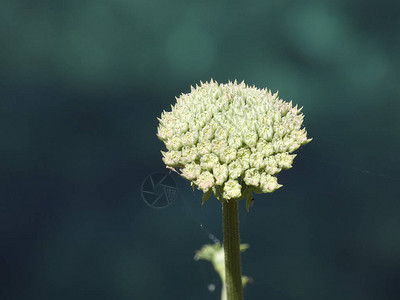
233,270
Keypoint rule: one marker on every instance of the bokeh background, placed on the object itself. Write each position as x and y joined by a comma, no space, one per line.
81,85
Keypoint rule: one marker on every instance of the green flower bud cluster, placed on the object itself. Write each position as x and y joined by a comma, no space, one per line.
231,139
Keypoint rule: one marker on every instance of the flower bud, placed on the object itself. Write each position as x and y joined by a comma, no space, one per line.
220,134
232,189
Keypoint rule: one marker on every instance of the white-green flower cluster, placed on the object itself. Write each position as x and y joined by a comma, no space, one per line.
231,139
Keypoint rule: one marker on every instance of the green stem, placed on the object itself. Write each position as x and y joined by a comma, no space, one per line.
233,271
223,292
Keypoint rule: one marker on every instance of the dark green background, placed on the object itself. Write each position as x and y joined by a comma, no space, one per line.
81,85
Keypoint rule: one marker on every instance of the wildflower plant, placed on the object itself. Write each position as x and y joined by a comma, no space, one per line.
231,140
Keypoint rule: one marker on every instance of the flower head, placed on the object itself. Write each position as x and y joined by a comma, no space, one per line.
231,138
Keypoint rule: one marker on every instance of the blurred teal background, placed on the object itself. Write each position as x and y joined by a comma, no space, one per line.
81,85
